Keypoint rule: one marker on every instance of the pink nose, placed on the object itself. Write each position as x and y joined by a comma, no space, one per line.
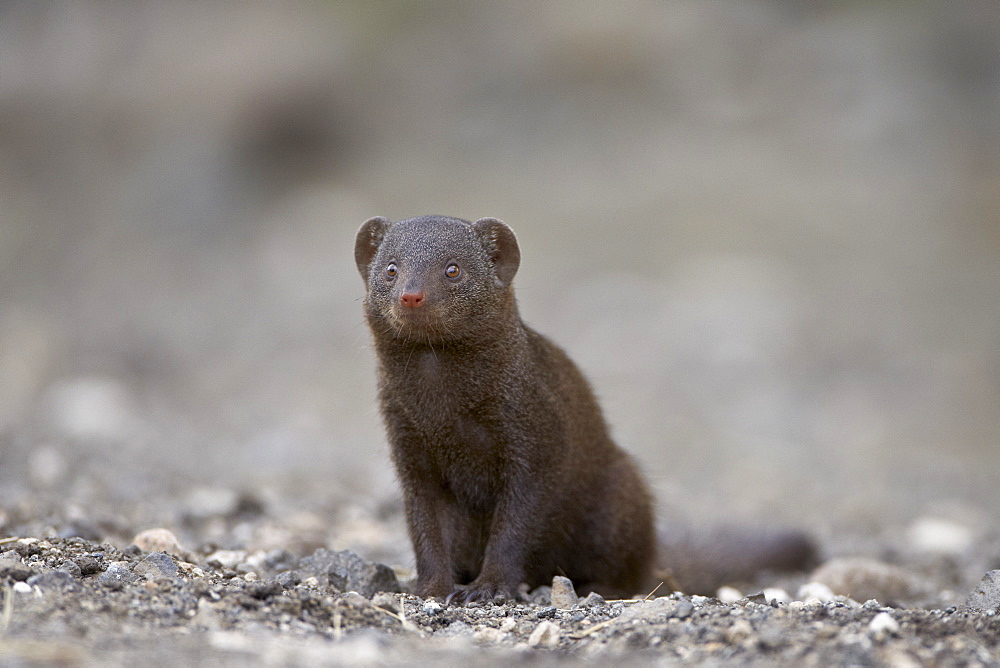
412,299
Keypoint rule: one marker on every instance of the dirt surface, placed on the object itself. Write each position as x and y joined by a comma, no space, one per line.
73,601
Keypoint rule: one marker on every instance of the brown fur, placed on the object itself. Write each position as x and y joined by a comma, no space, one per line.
508,472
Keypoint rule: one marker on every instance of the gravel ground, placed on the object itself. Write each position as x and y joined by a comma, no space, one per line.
74,601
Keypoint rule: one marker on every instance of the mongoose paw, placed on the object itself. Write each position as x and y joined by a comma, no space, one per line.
478,592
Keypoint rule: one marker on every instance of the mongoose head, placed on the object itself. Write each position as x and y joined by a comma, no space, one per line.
437,279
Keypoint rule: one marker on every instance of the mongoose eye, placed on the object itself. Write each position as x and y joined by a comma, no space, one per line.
391,270
452,271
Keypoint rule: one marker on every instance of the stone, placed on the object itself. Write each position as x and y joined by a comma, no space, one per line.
156,565
116,575
88,565
815,591
71,567
12,567
563,594
158,540
882,625
264,590
728,595
347,571
227,558
545,635
51,581
657,610
862,578
592,599
986,595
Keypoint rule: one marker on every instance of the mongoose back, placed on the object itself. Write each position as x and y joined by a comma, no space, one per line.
508,472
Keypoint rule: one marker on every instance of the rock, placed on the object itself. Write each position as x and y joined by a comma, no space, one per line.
431,607
862,578
815,591
592,599
51,581
937,536
657,610
116,575
227,558
156,565
728,595
22,588
158,540
563,594
777,594
545,635
288,579
346,571
88,565
986,595
12,567
264,590
882,625
71,567
682,609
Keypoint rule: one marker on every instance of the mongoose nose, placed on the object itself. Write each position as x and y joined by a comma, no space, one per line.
412,299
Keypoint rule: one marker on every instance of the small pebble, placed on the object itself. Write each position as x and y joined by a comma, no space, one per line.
52,581
864,578
547,612
883,624
88,565
815,591
545,635
592,599
986,595
563,594
264,590
71,567
11,566
116,575
158,540
227,558
288,579
777,594
728,595
22,587
156,565
431,607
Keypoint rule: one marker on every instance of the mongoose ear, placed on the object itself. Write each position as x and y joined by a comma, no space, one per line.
366,244
501,244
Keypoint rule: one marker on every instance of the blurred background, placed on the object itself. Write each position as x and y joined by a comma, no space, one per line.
769,232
